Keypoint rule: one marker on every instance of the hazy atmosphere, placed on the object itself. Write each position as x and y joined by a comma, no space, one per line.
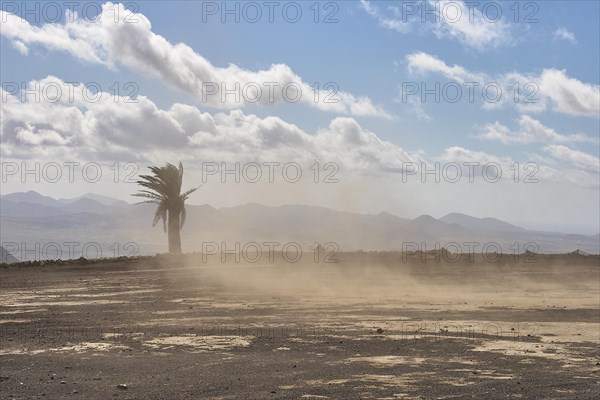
300,199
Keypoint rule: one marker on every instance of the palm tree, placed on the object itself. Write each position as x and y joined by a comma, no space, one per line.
163,187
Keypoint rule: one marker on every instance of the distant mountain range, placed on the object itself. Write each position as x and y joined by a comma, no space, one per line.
119,228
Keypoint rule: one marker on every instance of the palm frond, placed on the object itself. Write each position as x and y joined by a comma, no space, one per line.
146,201
185,195
147,195
163,187
161,213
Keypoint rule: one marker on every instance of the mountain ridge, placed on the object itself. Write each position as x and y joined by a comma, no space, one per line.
85,218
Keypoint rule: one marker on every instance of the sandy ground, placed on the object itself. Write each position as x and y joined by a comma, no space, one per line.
183,329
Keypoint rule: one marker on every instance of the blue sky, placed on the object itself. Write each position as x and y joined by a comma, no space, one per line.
369,53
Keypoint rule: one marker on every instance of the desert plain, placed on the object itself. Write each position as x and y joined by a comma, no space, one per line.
369,326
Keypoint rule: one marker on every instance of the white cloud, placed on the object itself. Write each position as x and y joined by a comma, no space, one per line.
530,131
453,20
20,47
469,28
397,25
536,91
423,63
67,128
575,167
570,95
111,40
26,135
112,129
416,108
461,155
563,34
52,36
577,158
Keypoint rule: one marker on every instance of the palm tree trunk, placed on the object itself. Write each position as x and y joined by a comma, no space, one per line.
173,233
